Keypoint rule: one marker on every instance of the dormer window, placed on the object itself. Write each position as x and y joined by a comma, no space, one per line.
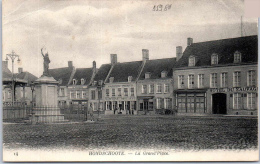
111,79
191,61
95,83
130,78
147,75
60,81
74,81
100,82
237,57
163,74
82,81
214,59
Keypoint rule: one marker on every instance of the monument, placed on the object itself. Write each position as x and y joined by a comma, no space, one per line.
46,109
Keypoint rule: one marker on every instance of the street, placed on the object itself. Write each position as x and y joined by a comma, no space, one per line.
137,132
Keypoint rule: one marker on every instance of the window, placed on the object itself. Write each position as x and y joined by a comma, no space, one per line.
213,82
159,88
237,79
3,92
107,92
126,91
201,80
111,79
237,57
144,89
251,78
192,61
251,101
159,103
214,59
82,81
151,88
224,79
181,81
84,94
130,78
166,88
113,92
119,91
191,81
74,81
132,91
147,75
93,95
237,101
77,94
163,74
62,91
72,95
167,104
99,94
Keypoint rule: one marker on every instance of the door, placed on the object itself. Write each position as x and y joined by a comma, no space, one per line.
219,103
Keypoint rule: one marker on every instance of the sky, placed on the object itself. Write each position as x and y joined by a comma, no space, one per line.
83,31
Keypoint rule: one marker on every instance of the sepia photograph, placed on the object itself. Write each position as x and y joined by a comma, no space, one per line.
131,80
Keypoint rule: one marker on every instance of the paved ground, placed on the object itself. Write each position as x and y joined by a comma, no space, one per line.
133,132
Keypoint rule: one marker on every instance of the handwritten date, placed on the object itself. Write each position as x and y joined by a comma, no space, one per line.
162,7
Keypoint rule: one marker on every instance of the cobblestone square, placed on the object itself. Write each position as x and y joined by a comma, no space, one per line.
137,132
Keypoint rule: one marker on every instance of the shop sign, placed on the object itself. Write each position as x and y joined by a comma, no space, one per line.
237,89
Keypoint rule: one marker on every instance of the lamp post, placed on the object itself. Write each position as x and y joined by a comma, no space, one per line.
99,87
13,56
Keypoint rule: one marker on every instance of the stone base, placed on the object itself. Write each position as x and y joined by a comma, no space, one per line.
46,115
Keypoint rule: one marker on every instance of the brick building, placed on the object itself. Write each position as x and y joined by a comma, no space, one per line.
218,77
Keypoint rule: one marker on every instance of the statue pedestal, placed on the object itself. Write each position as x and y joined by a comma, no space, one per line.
46,109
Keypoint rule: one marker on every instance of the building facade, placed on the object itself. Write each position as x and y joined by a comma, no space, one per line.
218,77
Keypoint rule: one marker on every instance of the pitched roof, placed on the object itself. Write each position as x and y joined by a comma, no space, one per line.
121,71
26,76
82,73
155,67
61,73
102,72
225,49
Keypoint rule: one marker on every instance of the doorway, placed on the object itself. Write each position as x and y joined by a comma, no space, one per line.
219,103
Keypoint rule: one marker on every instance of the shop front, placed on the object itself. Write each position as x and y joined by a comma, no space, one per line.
191,101
145,105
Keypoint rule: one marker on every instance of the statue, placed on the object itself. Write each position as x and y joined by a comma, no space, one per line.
46,64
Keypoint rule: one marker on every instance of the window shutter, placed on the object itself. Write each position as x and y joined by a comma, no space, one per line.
231,99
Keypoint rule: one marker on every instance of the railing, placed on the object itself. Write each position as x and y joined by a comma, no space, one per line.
16,112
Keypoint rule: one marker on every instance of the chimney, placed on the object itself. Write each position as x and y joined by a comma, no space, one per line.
113,58
189,41
145,53
94,68
5,64
70,64
20,70
178,52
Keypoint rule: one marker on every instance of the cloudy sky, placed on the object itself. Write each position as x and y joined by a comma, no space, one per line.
83,31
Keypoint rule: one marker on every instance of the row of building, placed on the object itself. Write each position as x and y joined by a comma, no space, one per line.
213,77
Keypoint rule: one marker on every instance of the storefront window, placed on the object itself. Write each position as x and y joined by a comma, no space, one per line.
167,103
224,79
251,78
237,79
237,101
159,103
251,101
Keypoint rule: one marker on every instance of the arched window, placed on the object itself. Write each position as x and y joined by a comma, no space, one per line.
82,81
74,81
